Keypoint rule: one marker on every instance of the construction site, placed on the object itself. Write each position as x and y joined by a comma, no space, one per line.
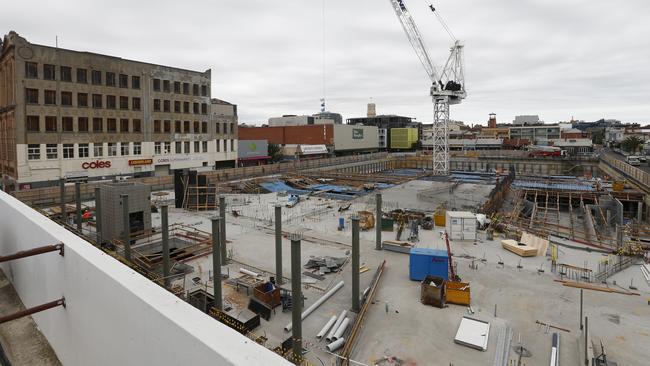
392,265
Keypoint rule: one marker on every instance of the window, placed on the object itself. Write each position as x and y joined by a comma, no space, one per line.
178,147
186,127
111,125
137,125
204,108
124,102
156,105
186,107
232,128
137,148
110,102
50,97
197,146
232,145
168,127
135,82
33,123
67,124
33,152
96,77
50,124
124,81
156,126
177,127
197,127
82,124
97,100
49,72
218,145
124,125
186,88
156,84
186,147
82,76
66,73
136,103
83,150
195,108
166,106
166,86
31,96
177,106
31,70
98,149
195,89
66,99
51,151
68,151
167,148
157,148
204,127
98,125
218,127
204,145
110,79
124,148
82,100
112,149
177,87
204,90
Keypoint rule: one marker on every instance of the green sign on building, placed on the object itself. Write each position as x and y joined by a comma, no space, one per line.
357,133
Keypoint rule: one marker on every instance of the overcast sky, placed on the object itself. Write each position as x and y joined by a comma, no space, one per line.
589,59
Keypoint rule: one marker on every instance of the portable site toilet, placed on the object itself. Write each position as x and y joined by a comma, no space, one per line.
461,225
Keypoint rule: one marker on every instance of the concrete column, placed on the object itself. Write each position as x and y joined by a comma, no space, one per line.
77,197
166,265
126,227
355,264
216,262
639,211
296,300
278,244
222,231
64,217
378,222
98,216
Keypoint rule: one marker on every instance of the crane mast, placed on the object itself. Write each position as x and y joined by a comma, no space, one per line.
447,88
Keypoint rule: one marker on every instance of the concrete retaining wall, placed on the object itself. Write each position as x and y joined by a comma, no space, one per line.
113,316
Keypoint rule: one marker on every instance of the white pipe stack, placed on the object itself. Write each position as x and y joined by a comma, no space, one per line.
336,326
335,345
245,271
327,326
341,330
315,305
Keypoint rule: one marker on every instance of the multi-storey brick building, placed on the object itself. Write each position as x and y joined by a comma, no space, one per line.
66,113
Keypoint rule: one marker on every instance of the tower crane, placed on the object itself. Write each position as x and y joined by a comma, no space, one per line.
447,86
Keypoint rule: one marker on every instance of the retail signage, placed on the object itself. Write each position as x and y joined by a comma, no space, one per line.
357,133
140,162
99,164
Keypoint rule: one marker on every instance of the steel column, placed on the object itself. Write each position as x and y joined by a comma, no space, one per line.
222,231
378,222
64,216
98,216
278,244
296,300
77,197
355,264
216,262
166,265
126,227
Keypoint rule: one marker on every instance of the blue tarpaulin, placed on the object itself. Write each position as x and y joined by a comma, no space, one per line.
556,186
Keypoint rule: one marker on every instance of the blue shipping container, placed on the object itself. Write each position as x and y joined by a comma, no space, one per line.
425,261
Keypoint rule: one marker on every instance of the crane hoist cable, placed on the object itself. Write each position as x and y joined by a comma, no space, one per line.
441,20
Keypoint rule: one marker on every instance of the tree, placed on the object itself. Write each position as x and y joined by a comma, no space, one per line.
632,144
598,137
275,152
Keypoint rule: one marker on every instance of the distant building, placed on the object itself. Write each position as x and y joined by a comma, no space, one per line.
527,120
536,134
384,123
575,133
575,146
304,120
492,122
336,117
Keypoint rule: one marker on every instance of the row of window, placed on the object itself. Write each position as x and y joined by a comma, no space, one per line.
110,149
83,124
96,77
70,151
96,100
160,105
109,78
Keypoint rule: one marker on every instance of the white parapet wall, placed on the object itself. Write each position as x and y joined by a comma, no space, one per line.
113,315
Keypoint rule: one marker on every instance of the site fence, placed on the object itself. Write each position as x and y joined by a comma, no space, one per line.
633,173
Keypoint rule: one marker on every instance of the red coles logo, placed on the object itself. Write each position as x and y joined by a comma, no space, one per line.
96,164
